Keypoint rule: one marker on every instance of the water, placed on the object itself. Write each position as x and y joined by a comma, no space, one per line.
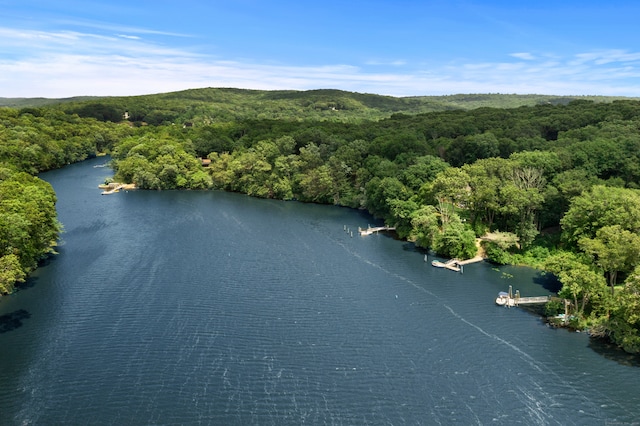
214,308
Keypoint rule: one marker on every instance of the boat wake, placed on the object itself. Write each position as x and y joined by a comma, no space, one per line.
536,404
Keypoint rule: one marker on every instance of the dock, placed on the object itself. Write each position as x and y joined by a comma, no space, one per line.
116,187
112,190
508,299
456,265
472,260
451,265
375,230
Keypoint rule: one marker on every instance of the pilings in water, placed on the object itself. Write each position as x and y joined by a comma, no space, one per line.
509,299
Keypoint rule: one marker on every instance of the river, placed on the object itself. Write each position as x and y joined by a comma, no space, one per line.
215,308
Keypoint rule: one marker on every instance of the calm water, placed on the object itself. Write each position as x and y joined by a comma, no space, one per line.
214,308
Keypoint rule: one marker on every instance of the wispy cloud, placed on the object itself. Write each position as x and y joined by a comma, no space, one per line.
131,37
604,57
394,63
69,63
524,55
93,25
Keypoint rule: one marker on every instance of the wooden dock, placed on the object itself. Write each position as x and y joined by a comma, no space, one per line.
116,187
532,300
472,260
509,299
112,190
451,265
456,265
375,230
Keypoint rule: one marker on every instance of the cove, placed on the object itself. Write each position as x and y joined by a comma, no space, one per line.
215,308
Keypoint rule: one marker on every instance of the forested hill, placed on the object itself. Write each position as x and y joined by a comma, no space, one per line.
444,171
211,105
38,102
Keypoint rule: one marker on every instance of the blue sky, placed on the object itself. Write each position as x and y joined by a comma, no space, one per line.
61,48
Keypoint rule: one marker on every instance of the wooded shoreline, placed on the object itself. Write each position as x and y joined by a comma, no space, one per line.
441,178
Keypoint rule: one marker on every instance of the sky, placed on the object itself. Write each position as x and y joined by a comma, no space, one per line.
64,48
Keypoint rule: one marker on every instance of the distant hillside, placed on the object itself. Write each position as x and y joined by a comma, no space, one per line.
473,101
38,102
211,105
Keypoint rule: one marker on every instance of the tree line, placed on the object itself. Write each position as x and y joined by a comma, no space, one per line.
34,140
554,186
523,176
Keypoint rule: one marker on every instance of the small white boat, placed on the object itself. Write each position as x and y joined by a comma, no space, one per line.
503,299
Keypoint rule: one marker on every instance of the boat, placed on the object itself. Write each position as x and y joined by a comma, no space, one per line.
503,298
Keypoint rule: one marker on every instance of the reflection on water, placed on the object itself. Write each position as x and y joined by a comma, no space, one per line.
612,352
13,320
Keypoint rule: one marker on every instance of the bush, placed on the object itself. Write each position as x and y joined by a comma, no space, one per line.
456,241
495,254
553,308
480,229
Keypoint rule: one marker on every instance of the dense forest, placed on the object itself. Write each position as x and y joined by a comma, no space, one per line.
34,140
550,182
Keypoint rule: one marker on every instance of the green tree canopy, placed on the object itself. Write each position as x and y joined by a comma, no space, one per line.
599,207
613,249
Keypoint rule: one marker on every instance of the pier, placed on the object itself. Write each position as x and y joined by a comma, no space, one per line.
375,230
509,299
451,265
116,187
112,190
456,265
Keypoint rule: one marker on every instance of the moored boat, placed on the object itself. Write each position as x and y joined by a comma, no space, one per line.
502,299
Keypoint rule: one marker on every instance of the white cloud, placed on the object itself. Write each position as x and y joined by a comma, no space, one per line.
66,63
396,63
118,28
605,57
130,37
524,56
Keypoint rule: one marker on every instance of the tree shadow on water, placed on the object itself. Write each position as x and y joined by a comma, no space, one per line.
548,281
27,284
411,247
13,320
612,352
